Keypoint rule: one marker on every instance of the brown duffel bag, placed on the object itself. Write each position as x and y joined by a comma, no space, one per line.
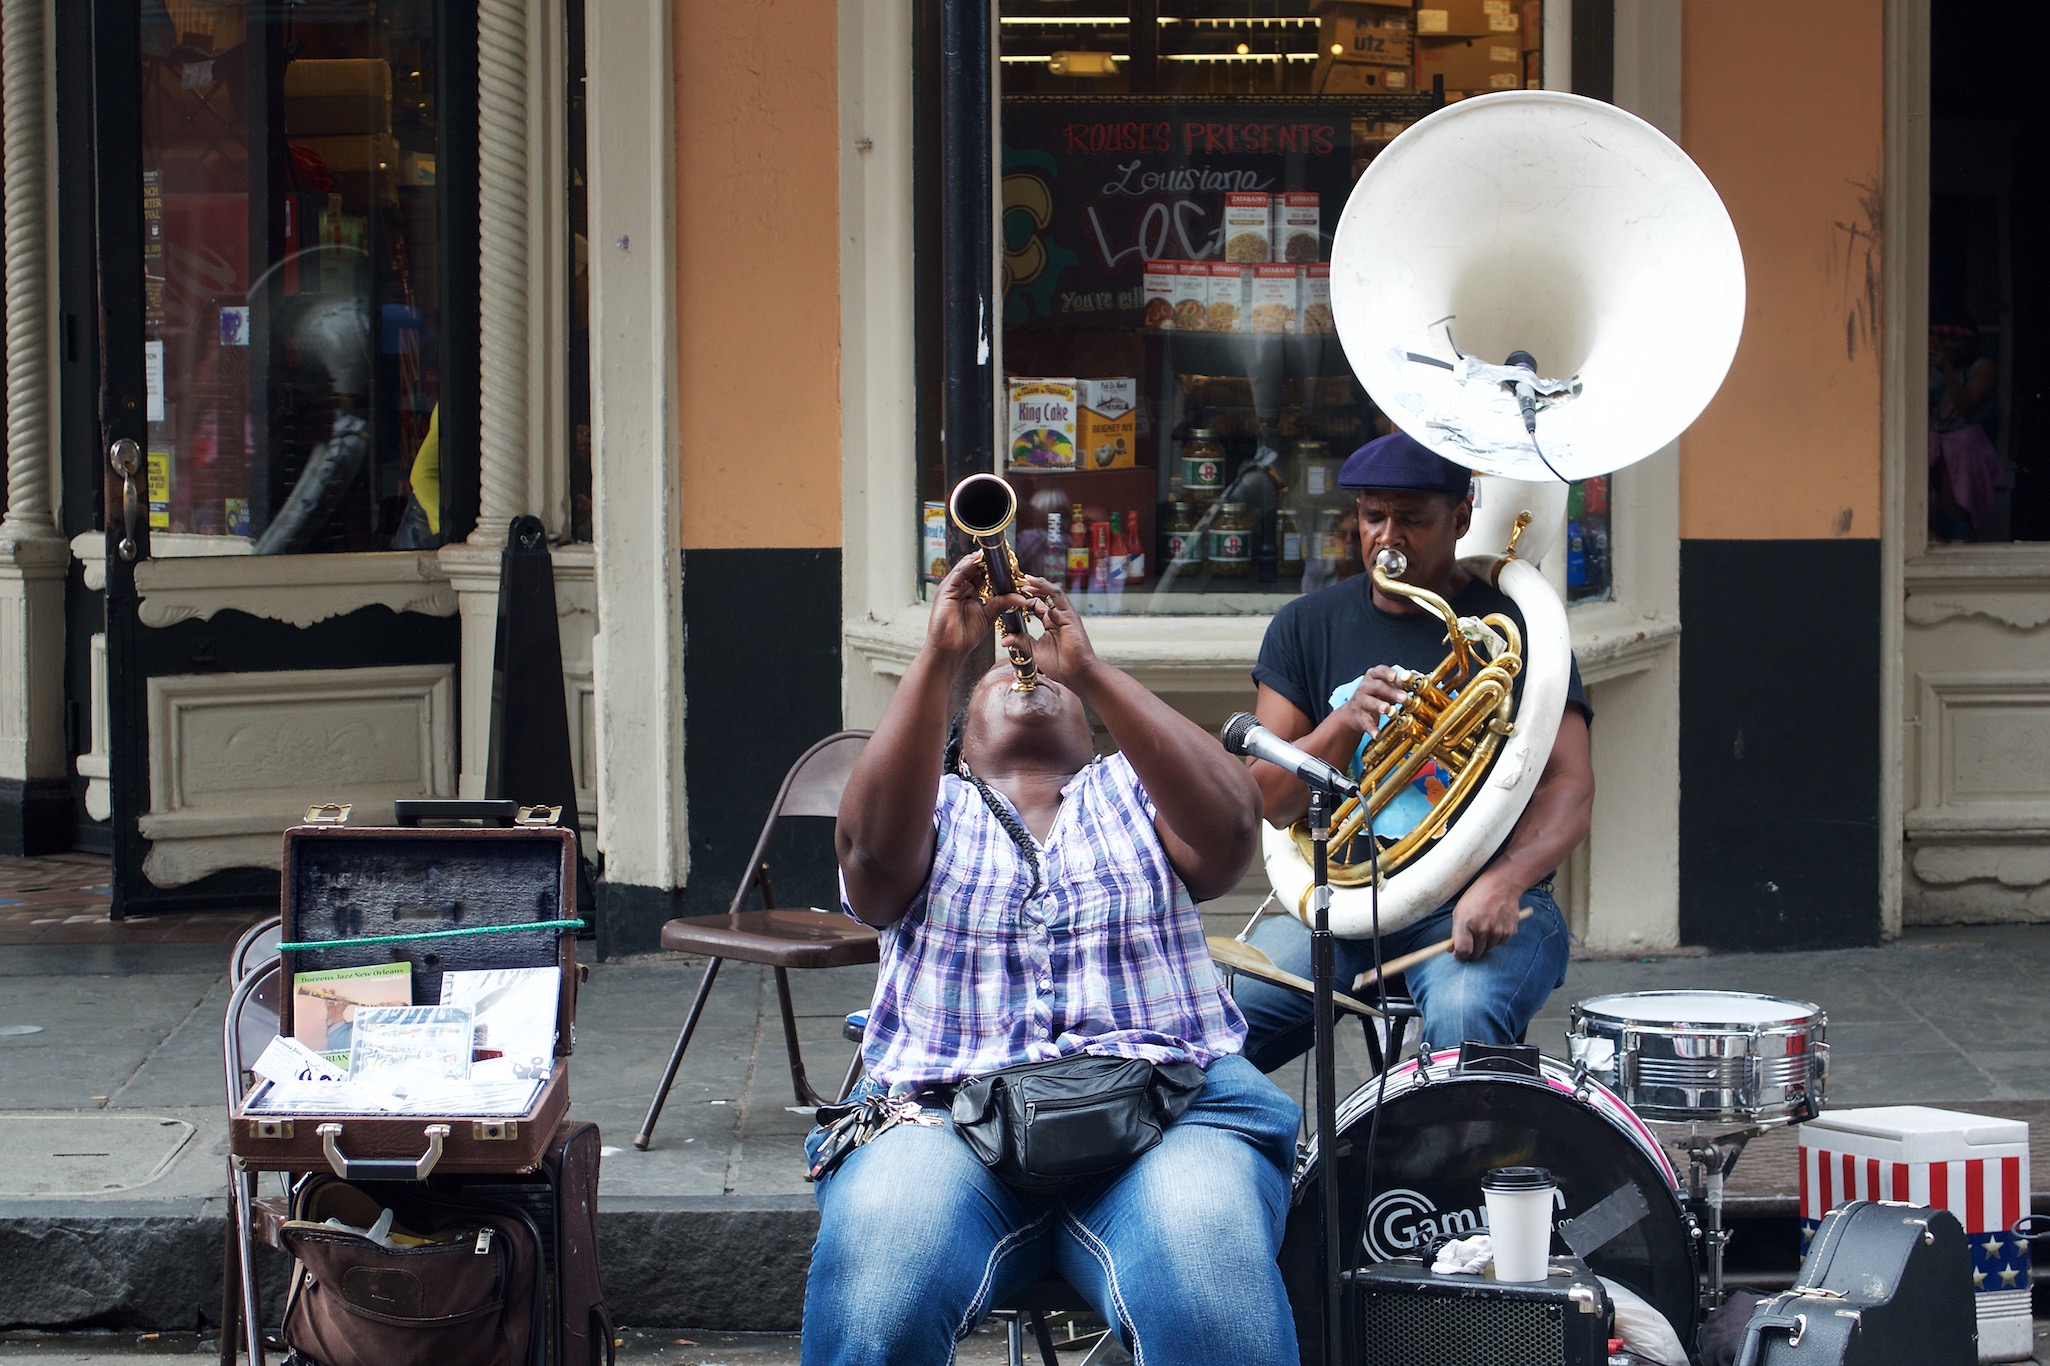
466,1294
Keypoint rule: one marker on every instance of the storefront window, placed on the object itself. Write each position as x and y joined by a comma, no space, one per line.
1988,464
1590,575
1175,400
294,264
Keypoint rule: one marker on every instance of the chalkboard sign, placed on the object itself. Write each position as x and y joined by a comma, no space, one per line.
1092,189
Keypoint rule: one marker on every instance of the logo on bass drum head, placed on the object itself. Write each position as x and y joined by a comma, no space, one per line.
1401,1222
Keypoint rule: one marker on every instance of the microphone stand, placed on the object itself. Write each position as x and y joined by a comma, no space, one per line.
1322,968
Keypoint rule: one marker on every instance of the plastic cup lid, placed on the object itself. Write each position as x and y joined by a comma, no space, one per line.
1517,1179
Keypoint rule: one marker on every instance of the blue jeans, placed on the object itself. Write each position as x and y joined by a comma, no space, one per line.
1491,999
918,1241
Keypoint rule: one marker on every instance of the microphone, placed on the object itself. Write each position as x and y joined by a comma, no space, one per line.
1526,396
1243,734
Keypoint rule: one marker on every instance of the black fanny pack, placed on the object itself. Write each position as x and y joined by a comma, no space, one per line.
1042,1125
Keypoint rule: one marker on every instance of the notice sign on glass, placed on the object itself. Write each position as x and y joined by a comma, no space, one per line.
1094,189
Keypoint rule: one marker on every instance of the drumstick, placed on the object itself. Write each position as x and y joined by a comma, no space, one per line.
1396,966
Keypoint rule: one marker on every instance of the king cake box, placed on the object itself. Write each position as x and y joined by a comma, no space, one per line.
1975,1166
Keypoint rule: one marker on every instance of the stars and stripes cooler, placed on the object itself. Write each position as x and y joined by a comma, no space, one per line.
1975,1166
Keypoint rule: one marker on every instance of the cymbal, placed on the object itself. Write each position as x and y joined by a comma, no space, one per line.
1242,957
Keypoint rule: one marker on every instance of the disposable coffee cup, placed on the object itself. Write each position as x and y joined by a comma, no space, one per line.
1519,1220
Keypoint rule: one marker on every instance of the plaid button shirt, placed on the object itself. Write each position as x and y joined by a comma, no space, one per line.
1106,957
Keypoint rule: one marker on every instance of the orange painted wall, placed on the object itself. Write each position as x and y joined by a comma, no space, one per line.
758,272
1784,109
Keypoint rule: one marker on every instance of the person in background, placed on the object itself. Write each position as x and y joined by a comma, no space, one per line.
1965,473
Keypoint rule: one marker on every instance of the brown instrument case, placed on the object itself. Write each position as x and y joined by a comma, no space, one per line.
343,884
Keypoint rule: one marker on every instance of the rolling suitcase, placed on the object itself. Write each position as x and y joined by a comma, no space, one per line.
544,1239
1883,1284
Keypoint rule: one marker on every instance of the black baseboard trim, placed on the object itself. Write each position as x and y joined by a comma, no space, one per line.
1779,776
35,816
630,918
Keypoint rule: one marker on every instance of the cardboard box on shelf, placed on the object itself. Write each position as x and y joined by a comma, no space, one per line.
1248,235
1106,423
1467,19
1041,424
1228,288
1191,296
1298,226
1357,78
1274,299
1158,284
1315,291
1363,33
1323,7
1472,64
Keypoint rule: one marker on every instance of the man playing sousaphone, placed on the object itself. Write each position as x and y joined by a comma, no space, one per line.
1037,910
1327,680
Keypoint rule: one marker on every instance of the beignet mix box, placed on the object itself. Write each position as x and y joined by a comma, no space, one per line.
1107,423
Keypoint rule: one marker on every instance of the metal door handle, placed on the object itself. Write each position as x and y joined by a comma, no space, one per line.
126,458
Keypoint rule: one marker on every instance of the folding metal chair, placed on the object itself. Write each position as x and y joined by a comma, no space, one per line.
780,938
249,1024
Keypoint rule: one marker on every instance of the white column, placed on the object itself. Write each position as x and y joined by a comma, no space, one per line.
506,185
638,652
1632,854
503,189
33,555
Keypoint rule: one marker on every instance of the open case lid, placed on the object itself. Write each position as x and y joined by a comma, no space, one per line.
343,884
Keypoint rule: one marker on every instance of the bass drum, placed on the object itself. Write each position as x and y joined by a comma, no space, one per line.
1441,1129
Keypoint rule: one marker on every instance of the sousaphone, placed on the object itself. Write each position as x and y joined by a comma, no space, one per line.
1543,288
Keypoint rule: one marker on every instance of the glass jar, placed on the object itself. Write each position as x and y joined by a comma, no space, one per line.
1289,560
1316,471
1330,537
1230,541
1202,465
1181,547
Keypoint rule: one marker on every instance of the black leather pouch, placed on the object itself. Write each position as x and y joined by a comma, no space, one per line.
1044,1125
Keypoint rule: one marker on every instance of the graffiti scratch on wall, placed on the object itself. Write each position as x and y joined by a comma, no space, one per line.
1855,252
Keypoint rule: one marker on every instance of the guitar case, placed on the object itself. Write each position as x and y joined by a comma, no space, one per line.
1884,1284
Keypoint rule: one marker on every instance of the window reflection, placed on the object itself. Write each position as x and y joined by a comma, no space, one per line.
292,268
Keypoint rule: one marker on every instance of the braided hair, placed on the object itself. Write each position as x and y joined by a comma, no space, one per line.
951,762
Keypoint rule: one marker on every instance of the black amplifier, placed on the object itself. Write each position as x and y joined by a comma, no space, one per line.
1401,1314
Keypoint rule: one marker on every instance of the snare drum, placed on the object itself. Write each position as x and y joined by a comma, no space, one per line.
1705,1056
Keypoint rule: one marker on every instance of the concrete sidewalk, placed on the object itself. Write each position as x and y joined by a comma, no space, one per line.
113,1119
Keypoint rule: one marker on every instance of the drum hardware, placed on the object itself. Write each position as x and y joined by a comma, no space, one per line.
1721,1066
1709,1162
